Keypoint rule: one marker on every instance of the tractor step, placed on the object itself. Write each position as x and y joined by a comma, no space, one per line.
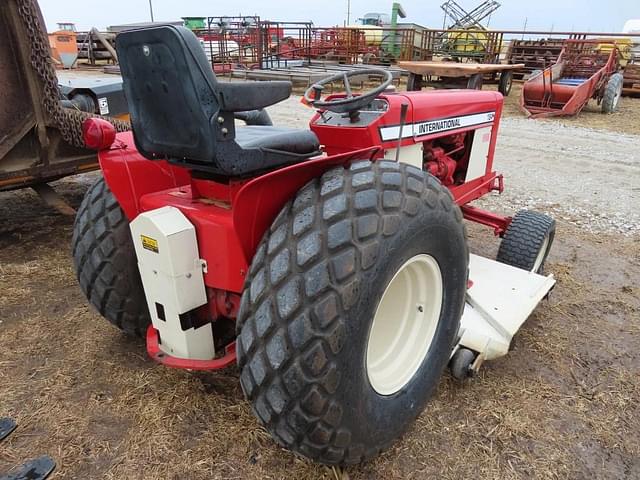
499,301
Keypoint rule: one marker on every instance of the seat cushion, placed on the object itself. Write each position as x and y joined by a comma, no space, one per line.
277,138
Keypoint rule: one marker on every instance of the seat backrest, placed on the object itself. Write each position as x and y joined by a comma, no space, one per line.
172,93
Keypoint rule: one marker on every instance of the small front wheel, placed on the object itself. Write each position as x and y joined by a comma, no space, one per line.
351,309
461,362
527,241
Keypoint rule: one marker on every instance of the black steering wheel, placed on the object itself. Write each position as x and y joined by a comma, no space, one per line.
313,95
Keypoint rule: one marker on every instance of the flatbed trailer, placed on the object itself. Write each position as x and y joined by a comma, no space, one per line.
459,75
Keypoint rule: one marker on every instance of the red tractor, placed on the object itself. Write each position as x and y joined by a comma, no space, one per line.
330,263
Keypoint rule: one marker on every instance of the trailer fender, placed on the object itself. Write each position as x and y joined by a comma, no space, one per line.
129,175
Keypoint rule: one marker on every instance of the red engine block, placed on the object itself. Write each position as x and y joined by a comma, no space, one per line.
438,161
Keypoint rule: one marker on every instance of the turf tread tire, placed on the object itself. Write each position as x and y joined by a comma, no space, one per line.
105,261
524,238
303,278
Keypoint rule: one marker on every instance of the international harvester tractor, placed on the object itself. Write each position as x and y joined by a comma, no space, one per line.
330,263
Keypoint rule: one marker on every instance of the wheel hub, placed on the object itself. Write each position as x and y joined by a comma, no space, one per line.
404,324
541,254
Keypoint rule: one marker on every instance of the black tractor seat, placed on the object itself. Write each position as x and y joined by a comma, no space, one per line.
290,140
180,112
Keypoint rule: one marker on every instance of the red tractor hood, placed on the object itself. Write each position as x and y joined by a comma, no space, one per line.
429,114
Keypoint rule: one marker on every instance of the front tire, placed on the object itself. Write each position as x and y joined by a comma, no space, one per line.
527,241
313,291
106,263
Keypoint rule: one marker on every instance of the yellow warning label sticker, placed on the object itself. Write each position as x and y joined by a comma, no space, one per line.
149,243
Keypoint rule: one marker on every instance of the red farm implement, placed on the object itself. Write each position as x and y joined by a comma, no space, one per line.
584,70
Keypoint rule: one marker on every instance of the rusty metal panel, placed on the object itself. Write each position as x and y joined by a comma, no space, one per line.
39,140
17,111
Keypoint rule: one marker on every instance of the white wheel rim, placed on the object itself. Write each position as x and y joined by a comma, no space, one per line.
616,99
404,324
540,258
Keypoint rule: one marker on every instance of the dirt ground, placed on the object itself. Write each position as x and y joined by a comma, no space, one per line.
565,403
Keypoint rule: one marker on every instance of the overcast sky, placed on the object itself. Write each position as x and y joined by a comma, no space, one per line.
582,15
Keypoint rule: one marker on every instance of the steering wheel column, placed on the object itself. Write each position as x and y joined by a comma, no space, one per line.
350,104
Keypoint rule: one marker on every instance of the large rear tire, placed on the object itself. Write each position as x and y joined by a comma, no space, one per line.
361,255
106,263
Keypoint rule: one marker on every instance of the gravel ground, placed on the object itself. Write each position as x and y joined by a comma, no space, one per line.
590,178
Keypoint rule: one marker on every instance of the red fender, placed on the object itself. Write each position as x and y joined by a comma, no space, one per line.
230,227
129,175
258,202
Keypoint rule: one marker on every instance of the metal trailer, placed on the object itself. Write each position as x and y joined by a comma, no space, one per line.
458,75
584,70
40,141
308,73
631,84
534,54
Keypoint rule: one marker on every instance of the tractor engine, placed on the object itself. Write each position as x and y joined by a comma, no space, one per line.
442,156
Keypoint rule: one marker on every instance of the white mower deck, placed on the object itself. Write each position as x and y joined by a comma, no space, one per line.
499,301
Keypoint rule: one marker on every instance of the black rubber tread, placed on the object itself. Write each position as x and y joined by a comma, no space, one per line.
475,82
106,263
524,238
308,283
505,83
613,88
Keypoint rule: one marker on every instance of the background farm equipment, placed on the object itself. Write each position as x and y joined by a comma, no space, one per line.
64,47
331,263
534,54
631,79
458,75
584,70
464,37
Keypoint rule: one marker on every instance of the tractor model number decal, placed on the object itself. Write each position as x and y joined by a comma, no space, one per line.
435,126
149,243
